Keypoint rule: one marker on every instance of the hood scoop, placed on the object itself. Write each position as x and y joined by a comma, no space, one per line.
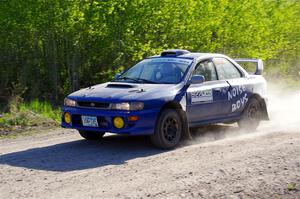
120,86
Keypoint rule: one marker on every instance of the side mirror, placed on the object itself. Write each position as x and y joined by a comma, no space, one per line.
117,75
197,79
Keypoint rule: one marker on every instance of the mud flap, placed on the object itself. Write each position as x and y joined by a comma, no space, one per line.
186,130
265,115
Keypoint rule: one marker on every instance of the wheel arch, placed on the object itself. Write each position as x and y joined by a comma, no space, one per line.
263,105
178,108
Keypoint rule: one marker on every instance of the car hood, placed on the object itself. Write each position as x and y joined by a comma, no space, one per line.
117,91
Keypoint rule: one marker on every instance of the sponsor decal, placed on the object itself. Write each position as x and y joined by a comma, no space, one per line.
202,96
241,102
238,96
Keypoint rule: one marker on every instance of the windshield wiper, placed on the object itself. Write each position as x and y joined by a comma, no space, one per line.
146,81
138,80
128,78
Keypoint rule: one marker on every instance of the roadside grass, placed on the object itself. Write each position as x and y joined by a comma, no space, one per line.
25,117
291,186
42,108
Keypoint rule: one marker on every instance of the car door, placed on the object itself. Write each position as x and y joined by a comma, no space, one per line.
237,94
205,101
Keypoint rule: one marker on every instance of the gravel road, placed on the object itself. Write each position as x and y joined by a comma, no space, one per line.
221,162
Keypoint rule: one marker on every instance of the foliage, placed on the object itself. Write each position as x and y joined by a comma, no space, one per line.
54,47
30,114
42,108
291,186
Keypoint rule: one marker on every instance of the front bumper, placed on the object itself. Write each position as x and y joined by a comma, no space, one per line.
145,125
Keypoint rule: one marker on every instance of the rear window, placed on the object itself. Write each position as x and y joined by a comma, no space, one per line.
225,69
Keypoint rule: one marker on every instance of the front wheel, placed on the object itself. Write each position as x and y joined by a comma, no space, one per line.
168,129
251,116
91,135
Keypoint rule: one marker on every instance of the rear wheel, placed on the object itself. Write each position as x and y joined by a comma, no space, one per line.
251,116
91,135
168,130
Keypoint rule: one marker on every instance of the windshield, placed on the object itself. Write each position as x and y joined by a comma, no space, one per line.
157,70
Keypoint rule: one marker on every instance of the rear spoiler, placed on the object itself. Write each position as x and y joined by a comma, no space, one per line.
258,62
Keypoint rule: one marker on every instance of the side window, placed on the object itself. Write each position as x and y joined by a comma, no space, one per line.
207,69
225,69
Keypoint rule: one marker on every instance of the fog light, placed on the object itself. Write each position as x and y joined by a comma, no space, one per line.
118,122
133,118
67,117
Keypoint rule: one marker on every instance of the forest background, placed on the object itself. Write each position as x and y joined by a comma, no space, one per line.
49,48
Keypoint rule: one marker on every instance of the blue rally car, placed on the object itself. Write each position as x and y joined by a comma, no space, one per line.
163,96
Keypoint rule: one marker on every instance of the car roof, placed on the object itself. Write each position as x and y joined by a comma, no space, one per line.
200,55
185,54
178,53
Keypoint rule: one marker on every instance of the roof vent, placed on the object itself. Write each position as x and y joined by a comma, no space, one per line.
173,52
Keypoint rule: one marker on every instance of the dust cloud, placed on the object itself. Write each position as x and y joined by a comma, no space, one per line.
283,108
284,113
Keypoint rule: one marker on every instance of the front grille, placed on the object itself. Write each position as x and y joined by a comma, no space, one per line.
102,105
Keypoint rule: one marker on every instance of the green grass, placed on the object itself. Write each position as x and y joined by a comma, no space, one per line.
42,108
27,116
291,186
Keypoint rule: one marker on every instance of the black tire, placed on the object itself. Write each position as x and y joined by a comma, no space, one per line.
251,116
91,135
168,130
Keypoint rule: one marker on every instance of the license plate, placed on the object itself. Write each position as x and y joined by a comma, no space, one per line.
90,121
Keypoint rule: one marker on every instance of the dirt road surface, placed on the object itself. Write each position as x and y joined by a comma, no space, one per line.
221,162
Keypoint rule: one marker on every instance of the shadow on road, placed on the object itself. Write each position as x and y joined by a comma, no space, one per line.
112,150
82,154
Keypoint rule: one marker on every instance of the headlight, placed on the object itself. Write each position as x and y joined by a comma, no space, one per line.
135,106
132,106
69,102
121,106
